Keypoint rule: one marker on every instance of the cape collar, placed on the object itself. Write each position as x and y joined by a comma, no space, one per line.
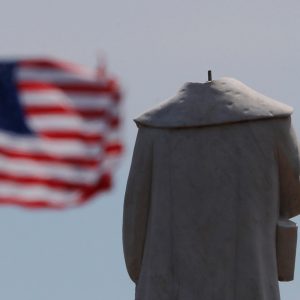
216,102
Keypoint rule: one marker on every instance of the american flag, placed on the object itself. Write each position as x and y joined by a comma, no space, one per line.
59,137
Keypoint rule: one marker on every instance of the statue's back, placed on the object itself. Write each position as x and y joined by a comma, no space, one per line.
201,209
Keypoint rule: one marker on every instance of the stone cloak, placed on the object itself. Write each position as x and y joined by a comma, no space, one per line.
212,171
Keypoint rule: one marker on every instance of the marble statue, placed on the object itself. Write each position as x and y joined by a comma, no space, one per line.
213,182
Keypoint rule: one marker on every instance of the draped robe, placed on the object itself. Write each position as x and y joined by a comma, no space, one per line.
213,170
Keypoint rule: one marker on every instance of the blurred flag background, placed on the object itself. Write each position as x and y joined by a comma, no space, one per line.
59,137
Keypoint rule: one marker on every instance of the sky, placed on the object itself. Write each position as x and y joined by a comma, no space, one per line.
154,47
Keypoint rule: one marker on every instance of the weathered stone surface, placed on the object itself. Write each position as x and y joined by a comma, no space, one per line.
217,102
207,185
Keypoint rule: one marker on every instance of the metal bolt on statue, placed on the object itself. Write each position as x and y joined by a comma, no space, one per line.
213,183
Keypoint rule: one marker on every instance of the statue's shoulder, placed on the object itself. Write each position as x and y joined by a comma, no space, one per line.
217,102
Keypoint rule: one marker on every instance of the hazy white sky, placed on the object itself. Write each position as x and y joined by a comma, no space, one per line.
154,47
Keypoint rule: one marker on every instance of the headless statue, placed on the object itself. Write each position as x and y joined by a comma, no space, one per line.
213,182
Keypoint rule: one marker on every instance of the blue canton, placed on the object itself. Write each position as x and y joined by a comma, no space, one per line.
11,114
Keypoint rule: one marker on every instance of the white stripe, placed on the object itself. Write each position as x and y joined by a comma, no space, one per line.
49,171
113,135
44,98
53,75
36,145
110,163
34,193
65,123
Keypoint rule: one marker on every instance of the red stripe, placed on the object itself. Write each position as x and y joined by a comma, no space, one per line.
73,135
53,183
103,185
79,161
32,204
114,149
115,122
58,110
72,88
